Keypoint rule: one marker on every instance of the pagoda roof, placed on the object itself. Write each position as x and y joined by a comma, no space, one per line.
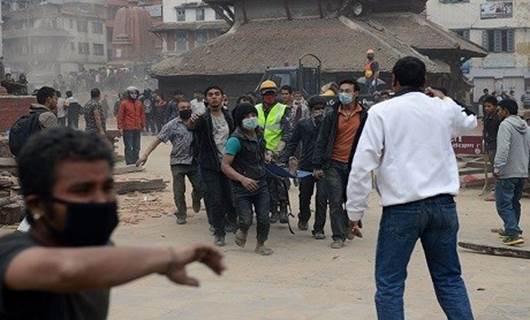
250,48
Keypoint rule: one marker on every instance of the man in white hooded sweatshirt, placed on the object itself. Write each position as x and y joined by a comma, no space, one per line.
407,141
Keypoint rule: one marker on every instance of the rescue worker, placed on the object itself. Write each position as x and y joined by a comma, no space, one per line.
274,119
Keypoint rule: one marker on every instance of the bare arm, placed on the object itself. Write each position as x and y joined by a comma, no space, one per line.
232,174
72,270
150,149
99,121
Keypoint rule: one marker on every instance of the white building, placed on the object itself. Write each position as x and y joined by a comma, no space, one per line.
502,27
187,24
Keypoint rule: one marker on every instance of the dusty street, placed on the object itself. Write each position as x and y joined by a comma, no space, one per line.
305,279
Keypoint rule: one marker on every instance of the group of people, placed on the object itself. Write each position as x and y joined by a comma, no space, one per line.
66,180
507,146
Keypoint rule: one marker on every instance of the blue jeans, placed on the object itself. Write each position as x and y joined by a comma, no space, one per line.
434,221
508,193
131,142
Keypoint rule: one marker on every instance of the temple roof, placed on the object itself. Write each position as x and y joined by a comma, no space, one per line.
197,25
340,43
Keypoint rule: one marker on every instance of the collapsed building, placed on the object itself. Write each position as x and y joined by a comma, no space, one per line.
277,33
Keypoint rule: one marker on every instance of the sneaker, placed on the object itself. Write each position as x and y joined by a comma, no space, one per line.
220,241
284,218
181,220
241,238
337,244
196,205
513,240
212,230
275,216
302,226
319,235
261,249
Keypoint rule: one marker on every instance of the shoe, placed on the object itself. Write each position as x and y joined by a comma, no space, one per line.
181,220
284,218
337,244
275,216
241,238
513,240
196,205
302,226
220,241
212,230
261,249
319,235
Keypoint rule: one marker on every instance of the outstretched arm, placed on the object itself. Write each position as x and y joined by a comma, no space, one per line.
73,270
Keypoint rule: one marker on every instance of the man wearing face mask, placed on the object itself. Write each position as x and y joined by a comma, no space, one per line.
131,122
244,165
64,267
305,135
183,163
273,118
334,151
212,130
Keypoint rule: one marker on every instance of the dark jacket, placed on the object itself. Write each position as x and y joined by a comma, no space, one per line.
490,131
328,133
207,150
250,160
306,133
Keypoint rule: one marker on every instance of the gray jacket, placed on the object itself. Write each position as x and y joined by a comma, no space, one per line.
513,148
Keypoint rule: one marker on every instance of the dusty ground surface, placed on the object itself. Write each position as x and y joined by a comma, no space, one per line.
305,279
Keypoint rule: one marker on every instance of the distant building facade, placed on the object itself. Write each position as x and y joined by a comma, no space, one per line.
502,29
47,38
188,24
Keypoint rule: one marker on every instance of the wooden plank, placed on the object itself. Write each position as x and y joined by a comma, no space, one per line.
139,185
512,252
127,169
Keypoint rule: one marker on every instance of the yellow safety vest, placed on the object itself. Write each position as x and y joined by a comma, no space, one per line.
272,124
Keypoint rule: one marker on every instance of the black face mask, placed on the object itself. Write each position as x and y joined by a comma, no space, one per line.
87,224
185,114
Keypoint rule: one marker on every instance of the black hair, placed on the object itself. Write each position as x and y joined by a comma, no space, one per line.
315,101
486,90
245,97
354,83
69,94
410,72
287,88
58,93
95,93
45,93
241,111
213,88
43,152
490,99
510,106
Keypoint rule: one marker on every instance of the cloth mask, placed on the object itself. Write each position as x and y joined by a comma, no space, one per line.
345,98
185,114
250,123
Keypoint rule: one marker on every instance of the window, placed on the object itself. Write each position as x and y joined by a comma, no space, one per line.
84,48
97,27
72,46
499,40
201,37
464,33
71,23
82,25
218,15
99,49
182,40
181,14
199,14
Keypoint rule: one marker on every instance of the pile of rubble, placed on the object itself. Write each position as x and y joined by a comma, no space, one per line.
11,205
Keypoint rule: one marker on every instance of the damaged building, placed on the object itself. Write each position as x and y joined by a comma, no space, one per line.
277,33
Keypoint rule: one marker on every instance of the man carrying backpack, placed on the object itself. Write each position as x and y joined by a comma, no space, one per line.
42,115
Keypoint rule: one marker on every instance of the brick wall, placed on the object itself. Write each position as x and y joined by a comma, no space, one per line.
11,108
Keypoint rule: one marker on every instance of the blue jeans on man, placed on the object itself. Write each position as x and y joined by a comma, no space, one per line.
508,193
434,221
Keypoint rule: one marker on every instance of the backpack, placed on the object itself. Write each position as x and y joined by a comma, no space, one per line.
22,130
